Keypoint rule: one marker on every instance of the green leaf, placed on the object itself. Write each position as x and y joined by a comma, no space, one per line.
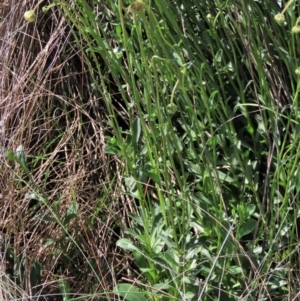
178,59
131,186
127,245
136,132
18,157
154,175
48,218
71,213
133,233
169,259
169,242
118,29
194,251
224,177
131,292
143,265
161,286
219,55
193,168
247,228
235,270
35,273
65,289
249,128
136,218
250,210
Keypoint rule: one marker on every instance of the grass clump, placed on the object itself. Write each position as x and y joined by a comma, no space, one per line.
156,151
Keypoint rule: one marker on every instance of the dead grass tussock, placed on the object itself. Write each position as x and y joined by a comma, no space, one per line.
46,105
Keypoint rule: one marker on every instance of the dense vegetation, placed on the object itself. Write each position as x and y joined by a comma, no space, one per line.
149,150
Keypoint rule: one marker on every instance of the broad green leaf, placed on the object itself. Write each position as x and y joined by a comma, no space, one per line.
204,252
250,210
197,227
224,177
193,168
133,233
158,246
168,259
247,228
127,245
170,243
154,175
135,217
131,292
194,251
161,286
143,265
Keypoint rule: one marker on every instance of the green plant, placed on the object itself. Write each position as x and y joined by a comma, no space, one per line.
202,116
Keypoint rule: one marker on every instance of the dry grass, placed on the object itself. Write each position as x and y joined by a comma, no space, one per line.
47,105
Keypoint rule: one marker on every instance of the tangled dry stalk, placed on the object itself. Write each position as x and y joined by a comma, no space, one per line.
47,105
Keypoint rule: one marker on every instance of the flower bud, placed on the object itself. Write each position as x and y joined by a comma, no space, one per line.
30,16
137,7
171,108
296,29
280,18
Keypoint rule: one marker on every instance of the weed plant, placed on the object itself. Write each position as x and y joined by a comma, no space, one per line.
202,128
